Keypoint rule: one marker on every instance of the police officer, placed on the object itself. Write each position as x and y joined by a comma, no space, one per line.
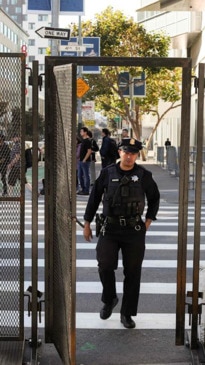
124,187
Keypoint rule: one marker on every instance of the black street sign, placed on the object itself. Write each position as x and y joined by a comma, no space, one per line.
53,33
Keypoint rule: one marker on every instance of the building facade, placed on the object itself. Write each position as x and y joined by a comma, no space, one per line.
13,38
36,47
187,32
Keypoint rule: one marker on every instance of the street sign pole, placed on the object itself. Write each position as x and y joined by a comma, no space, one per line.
79,105
55,11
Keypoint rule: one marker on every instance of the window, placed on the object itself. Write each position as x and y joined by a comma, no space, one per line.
18,10
42,17
31,25
14,17
31,58
5,30
31,42
42,50
41,67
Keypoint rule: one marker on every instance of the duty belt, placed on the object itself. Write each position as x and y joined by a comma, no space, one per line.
123,221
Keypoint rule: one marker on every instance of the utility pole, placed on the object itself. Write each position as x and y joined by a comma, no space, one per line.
55,11
80,69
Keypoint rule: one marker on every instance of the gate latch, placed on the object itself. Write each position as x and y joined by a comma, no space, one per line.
40,300
190,306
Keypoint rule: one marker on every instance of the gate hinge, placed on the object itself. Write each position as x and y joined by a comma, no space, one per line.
190,306
190,311
30,78
196,83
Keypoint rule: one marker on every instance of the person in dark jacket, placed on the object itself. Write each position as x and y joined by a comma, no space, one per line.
84,162
106,157
4,161
14,166
124,188
167,143
94,148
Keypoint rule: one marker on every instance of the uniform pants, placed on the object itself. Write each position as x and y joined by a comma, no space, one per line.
131,243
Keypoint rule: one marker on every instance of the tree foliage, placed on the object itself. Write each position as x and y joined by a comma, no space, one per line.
122,37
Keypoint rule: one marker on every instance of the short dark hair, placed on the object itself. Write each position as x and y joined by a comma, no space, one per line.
106,131
85,129
125,129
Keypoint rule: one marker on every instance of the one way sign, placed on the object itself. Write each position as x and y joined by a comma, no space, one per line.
53,33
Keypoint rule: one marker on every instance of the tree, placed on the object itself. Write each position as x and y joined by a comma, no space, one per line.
120,36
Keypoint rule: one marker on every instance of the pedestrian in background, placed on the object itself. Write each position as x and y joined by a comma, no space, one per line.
4,161
109,149
94,148
84,162
78,147
14,166
125,133
28,165
124,188
167,143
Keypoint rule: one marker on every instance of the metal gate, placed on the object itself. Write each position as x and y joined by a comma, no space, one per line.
60,207
60,177
12,184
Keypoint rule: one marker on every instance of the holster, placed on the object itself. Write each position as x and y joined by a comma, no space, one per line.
99,221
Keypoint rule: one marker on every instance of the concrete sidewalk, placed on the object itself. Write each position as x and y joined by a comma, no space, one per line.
168,183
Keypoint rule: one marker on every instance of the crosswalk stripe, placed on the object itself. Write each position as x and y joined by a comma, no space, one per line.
143,321
151,233
149,246
95,287
171,224
146,263
93,263
145,288
92,246
93,321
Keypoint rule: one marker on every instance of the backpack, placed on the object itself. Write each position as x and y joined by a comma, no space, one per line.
113,150
94,146
28,158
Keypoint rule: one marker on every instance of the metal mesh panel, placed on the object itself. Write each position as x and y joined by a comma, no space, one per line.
63,211
12,174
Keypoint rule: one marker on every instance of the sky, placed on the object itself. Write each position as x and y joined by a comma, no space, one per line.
97,6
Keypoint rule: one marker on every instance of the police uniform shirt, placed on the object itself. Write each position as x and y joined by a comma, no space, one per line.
148,184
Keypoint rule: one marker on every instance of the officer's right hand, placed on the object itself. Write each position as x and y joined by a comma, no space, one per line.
87,232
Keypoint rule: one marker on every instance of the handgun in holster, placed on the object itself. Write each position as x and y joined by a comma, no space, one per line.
99,220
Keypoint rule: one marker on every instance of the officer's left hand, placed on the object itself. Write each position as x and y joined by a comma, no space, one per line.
87,232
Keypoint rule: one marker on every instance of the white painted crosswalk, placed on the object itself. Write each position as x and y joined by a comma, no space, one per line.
159,231
160,240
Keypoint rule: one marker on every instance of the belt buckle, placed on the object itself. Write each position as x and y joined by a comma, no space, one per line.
122,221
